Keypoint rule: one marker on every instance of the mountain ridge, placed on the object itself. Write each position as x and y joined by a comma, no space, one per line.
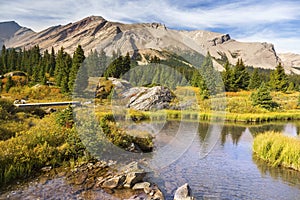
95,32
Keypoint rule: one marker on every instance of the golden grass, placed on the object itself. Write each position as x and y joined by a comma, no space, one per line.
278,149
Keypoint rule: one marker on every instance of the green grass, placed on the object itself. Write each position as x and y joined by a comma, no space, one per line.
278,149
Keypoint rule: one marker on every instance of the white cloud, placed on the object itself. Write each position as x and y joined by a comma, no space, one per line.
242,15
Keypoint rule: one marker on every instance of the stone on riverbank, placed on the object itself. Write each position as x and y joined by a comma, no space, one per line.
183,193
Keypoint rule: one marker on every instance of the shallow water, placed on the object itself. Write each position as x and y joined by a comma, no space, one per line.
227,171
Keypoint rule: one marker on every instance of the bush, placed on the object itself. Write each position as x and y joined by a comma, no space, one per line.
119,137
7,109
44,144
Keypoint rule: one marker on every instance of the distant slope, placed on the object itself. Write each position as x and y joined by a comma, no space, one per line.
9,30
291,60
97,33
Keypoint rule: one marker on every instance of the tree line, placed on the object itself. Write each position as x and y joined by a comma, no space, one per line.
71,72
40,67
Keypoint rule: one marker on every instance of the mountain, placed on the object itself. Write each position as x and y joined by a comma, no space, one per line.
97,33
292,60
11,29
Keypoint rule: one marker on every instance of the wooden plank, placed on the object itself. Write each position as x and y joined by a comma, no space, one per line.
48,104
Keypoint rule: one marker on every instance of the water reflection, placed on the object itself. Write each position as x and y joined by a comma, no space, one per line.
229,171
234,131
289,176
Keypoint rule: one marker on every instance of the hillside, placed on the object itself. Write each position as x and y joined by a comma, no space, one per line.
11,29
97,33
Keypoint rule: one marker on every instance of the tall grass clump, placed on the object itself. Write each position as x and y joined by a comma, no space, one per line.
278,149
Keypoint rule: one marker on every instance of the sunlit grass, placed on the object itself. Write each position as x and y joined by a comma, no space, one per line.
278,149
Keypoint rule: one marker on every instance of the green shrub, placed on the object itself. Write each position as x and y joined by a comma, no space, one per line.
120,138
45,144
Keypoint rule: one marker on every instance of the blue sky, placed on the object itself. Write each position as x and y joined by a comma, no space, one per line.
277,22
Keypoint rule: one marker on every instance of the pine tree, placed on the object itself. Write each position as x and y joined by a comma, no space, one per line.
60,63
78,59
52,63
278,79
66,73
255,80
240,76
227,77
263,98
210,76
125,64
4,59
82,81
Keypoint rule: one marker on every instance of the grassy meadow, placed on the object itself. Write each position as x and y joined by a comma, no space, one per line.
30,139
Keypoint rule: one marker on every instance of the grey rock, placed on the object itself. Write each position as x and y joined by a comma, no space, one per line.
113,182
183,193
131,167
141,186
154,98
133,178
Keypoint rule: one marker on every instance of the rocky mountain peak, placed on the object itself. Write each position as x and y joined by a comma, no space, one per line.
95,32
8,29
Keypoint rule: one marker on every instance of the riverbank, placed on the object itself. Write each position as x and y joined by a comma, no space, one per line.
210,116
278,149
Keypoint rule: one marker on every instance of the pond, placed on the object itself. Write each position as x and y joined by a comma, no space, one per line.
221,167
229,171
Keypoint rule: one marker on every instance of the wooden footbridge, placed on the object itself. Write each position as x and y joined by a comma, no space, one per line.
48,104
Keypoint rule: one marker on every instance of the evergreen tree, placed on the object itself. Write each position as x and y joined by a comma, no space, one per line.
196,78
78,59
66,73
263,98
278,79
227,77
125,64
52,62
60,63
82,80
44,80
115,69
210,77
4,59
240,76
96,63
255,80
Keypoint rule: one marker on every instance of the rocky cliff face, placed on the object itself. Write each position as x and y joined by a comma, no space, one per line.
97,33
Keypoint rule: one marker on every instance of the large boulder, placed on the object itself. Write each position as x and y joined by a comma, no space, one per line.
138,98
154,98
183,193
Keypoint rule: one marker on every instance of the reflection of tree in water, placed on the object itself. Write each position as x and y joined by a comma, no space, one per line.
235,132
203,130
254,130
278,173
